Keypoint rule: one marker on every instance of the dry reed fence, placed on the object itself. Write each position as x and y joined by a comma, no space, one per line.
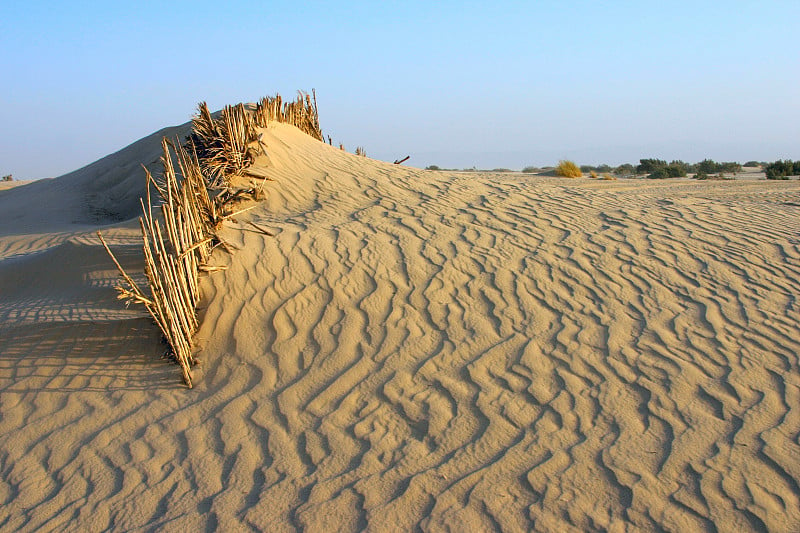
193,201
301,113
174,252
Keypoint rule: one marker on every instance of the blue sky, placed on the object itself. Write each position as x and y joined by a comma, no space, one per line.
457,84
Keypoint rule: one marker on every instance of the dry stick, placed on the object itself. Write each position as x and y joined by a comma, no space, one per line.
261,229
162,278
209,268
226,245
239,212
122,272
195,246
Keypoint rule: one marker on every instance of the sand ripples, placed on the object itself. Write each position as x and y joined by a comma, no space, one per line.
472,352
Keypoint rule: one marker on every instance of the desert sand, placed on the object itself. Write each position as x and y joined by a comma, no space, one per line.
409,350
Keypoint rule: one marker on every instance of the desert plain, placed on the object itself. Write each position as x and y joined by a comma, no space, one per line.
395,349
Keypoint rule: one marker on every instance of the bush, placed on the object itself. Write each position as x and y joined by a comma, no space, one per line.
599,168
646,166
781,170
432,167
530,170
677,169
706,166
732,167
568,169
625,169
7,177
709,166
659,174
659,169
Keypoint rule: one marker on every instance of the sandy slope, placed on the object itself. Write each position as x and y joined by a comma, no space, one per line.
423,350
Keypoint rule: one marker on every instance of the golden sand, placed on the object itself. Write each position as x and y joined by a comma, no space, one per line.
411,349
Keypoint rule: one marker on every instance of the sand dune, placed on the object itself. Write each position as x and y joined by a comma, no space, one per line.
417,350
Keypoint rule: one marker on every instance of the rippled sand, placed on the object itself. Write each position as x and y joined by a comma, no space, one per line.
417,349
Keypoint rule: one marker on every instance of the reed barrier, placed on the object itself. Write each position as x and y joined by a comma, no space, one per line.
301,113
193,202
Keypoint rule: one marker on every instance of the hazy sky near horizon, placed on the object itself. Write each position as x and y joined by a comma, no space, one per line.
458,84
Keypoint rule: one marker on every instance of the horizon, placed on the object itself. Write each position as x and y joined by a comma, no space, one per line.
452,85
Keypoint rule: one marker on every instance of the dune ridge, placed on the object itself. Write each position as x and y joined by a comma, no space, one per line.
425,350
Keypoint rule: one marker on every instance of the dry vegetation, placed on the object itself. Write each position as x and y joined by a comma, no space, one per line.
193,203
568,169
221,143
172,264
302,113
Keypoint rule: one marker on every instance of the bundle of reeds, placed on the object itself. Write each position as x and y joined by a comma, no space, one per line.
194,201
175,254
222,143
301,113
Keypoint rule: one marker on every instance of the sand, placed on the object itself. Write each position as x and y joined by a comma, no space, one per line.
411,350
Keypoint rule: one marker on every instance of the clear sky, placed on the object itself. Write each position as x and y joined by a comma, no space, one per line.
457,84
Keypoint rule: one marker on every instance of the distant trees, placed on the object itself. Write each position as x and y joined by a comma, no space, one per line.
660,169
646,166
709,166
432,167
653,168
626,169
782,169
586,169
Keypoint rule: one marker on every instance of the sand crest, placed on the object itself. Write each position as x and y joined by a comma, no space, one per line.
415,349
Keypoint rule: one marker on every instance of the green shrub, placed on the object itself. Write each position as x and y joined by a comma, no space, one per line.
660,169
709,166
432,167
752,164
586,169
568,169
531,170
706,166
625,169
781,170
659,174
647,166
677,169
